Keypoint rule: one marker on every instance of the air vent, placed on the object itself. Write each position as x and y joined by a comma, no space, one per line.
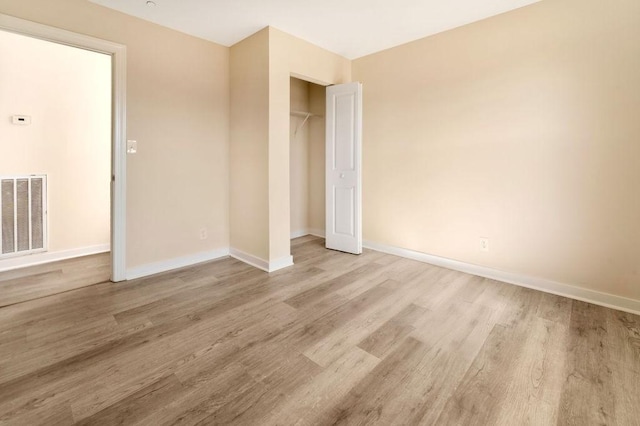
23,212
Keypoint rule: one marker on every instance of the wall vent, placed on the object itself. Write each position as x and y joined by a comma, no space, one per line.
23,215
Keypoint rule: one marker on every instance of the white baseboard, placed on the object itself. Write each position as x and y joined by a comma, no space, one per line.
50,256
300,233
180,262
281,263
261,263
547,286
310,231
249,259
316,232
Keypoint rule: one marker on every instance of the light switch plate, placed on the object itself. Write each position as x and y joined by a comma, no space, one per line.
132,147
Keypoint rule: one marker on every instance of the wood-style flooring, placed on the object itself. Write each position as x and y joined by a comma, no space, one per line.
20,285
335,339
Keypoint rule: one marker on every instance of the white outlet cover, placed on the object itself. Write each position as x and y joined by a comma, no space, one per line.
484,244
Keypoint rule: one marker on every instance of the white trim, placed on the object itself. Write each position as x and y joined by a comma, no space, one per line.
48,257
249,259
317,232
541,284
310,231
180,262
30,217
118,53
261,263
300,233
283,262
119,166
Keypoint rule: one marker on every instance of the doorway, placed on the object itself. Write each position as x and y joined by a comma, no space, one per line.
307,158
55,159
114,177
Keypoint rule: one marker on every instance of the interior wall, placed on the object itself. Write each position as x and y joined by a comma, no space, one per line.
290,56
521,128
299,157
249,145
67,93
178,111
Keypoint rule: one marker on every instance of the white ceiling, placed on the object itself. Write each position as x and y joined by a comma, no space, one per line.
351,28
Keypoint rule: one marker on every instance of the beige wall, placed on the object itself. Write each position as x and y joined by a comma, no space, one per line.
178,111
290,56
521,128
249,145
67,93
299,157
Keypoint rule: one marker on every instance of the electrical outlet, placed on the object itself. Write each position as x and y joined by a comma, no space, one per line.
203,234
484,244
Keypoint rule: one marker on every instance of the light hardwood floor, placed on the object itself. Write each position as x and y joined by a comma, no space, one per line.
335,339
20,285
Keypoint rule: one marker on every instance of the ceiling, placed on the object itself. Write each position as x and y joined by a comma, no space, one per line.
351,28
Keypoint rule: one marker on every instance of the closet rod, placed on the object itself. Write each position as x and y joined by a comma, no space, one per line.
306,116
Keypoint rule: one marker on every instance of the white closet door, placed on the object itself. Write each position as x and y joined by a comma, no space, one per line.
343,168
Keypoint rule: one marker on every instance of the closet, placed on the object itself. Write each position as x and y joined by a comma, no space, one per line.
307,158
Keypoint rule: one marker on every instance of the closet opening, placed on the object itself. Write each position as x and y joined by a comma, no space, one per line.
307,158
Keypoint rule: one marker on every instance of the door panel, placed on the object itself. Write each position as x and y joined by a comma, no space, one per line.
343,168
344,133
344,203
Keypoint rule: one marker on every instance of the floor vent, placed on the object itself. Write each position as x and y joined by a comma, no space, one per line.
23,214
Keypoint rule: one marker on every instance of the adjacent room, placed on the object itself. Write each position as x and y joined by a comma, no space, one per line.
56,167
285,213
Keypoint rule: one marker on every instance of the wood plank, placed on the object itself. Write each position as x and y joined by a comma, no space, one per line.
588,393
203,395
555,308
139,405
392,332
516,377
368,401
25,284
309,296
251,406
314,401
341,340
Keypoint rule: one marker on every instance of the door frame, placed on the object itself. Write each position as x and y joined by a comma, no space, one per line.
118,54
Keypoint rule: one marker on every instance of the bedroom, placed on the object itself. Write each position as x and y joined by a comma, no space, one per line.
519,129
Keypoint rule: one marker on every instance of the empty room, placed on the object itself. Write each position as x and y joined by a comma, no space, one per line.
248,212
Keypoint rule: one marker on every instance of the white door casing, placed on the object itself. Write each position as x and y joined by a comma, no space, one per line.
344,168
